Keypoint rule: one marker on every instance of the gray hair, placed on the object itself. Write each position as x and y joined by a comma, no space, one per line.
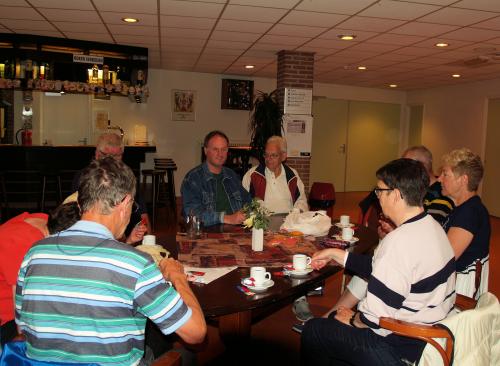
104,184
423,155
280,141
109,140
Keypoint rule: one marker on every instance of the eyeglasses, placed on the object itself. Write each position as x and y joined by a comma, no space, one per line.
271,156
378,191
135,206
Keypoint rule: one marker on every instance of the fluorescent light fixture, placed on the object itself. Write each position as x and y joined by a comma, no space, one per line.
249,66
442,44
456,75
130,20
346,37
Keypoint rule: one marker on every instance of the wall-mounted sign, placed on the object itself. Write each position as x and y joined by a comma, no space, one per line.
183,105
87,59
298,101
298,133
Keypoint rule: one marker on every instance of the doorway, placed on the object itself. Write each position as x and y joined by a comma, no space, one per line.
351,140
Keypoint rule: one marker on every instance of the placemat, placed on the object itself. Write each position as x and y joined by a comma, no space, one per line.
235,249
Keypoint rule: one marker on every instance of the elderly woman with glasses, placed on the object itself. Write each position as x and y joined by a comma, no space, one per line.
468,226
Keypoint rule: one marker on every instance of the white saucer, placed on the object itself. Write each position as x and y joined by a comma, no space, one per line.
338,224
339,237
267,284
301,273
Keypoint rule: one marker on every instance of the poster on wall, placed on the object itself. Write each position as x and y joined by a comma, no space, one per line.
183,105
101,118
298,133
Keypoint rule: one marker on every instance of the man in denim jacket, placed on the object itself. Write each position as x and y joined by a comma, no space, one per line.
211,191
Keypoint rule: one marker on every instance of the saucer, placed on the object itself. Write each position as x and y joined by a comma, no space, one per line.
339,237
338,224
297,273
261,288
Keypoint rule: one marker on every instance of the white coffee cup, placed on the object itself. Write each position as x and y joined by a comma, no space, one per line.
344,220
300,262
149,240
259,275
347,233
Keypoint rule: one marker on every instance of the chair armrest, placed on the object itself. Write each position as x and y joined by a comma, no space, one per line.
465,303
413,330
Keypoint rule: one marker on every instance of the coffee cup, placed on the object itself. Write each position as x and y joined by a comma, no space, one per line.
300,262
149,240
259,275
347,233
344,220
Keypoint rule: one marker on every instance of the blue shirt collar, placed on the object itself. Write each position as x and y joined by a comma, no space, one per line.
87,228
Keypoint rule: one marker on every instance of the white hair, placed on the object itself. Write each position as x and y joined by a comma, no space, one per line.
280,141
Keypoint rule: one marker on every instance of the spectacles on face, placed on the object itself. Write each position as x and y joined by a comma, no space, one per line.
135,205
272,155
378,191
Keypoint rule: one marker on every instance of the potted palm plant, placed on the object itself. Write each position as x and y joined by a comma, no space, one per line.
265,121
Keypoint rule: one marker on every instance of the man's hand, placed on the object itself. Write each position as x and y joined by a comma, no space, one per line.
234,219
137,233
171,269
321,258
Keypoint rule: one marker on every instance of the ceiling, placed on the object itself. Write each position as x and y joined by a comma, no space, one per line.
395,38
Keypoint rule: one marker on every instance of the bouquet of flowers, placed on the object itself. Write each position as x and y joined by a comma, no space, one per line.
257,216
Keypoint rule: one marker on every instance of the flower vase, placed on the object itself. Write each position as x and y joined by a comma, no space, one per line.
257,240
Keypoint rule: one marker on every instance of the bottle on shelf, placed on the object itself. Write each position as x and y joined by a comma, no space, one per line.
95,74
105,75
28,69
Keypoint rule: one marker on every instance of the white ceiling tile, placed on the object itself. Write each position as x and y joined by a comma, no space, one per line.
116,18
284,40
396,39
296,30
14,3
181,49
359,54
133,39
15,12
455,55
62,4
138,30
393,57
473,34
495,41
222,51
101,37
375,47
487,5
190,8
243,26
281,4
186,22
184,33
334,6
415,51
234,36
317,50
131,6
455,16
489,24
398,10
174,41
360,35
452,43
370,24
238,12
313,19
430,60
47,33
84,16
17,24
81,27
259,46
215,57
227,44
260,54
423,29
478,48
335,44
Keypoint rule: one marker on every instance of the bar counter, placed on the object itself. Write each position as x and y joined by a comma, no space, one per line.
23,166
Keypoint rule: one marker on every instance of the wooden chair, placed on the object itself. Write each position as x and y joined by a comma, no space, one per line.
431,333
171,358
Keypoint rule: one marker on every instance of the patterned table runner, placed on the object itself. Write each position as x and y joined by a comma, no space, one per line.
235,249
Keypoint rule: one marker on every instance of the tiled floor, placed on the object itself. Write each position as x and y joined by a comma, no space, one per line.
273,341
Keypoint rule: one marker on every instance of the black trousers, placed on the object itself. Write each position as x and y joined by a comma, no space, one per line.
328,342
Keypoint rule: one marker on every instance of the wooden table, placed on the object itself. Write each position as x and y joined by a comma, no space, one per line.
221,299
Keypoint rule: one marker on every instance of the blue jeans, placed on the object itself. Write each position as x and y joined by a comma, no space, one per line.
328,342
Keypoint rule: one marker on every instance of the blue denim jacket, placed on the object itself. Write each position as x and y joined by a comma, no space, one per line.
198,192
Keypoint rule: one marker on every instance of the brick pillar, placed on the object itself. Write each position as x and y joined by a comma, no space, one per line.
296,70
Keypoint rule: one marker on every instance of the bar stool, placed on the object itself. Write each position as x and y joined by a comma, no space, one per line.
168,165
157,177
47,175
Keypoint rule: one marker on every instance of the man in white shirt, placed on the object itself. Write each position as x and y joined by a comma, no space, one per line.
275,183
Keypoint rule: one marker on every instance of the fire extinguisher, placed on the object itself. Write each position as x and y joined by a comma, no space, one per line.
26,136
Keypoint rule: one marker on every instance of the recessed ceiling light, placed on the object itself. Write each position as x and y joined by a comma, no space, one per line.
249,66
346,37
456,75
130,20
441,44
361,67
393,85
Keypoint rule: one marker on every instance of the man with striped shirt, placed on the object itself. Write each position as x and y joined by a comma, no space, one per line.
84,297
411,277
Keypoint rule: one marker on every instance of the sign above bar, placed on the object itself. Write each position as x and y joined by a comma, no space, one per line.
87,59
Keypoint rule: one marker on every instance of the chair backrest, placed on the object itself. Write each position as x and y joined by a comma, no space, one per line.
476,335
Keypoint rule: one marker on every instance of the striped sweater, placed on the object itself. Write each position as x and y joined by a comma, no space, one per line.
84,297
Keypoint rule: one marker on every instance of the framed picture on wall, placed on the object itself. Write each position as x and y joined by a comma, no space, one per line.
237,94
183,105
